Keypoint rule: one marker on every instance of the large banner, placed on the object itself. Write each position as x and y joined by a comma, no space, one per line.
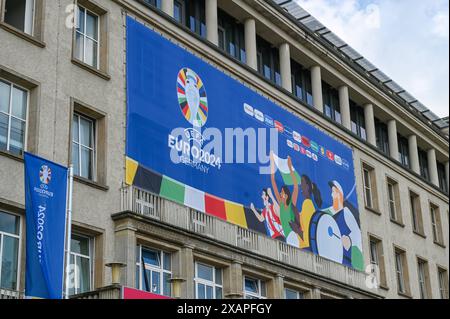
200,138
45,201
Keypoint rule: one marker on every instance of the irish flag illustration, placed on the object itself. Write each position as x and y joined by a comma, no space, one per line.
282,165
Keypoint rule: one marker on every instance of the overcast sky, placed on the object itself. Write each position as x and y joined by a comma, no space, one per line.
406,39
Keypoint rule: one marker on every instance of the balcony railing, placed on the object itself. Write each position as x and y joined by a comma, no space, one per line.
110,292
155,207
10,294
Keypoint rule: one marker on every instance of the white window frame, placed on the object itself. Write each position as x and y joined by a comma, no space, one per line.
257,295
19,253
443,283
392,201
28,16
30,9
153,268
213,284
368,187
80,146
10,116
414,214
299,294
84,35
400,271
374,255
421,274
89,257
434,223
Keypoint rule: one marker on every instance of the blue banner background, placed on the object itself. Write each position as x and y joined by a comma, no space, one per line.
153,64
45,200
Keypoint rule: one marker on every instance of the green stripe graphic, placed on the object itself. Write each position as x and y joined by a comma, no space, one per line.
172,190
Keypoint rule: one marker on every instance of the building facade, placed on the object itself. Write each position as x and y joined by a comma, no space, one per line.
63,96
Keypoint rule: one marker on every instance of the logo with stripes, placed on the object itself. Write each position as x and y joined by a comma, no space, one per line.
192,97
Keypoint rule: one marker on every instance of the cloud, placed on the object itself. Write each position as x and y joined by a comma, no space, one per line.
441,25
406,39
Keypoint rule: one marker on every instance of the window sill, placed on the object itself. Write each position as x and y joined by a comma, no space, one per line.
384,287
22,35
12,156
398,223
373,210
404,294
91,69
88,182
420,234
440,244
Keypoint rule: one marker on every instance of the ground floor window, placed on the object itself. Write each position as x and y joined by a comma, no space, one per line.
208,282
153,271
254,288
9,250
293,294
81,252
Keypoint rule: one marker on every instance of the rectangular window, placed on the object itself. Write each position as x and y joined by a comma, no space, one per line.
301,83
268,61
416,213
153,271
179,11
424,284
442,177
208,282
377,260
254,288
154,3
13,115
436,224
20,14
293,294
87,37
81,260
358,120
231,36
443,283
192,15
9,251
370,187
403,151
401,271
83,146
374,252
423,163
394,203
332,108
382,136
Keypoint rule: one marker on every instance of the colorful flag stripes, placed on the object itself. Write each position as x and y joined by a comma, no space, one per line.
173,190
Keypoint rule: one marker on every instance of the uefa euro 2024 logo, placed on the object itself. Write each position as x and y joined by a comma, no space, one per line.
192,97
45,174
202,147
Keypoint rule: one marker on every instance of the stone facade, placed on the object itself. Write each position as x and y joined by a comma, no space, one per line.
58,84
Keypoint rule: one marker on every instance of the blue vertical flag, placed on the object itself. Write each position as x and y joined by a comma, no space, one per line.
45,201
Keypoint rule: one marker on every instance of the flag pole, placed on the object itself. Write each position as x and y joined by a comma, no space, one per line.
69,229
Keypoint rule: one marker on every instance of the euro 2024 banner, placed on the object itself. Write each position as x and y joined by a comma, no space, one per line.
200,138
45,201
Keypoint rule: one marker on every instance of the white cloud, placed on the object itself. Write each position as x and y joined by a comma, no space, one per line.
441,24
406,39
